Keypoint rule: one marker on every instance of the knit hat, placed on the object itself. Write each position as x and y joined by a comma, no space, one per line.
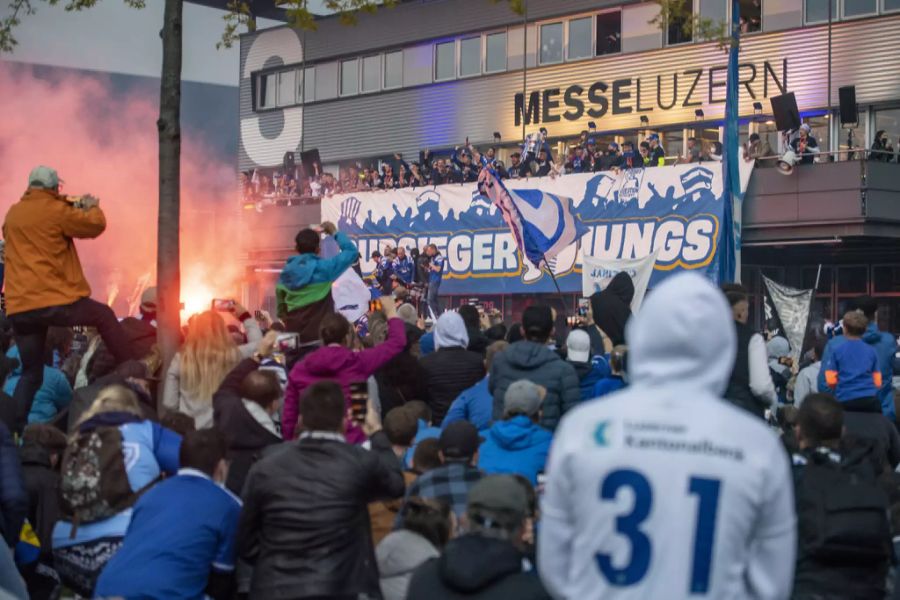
578,346
450,332
407,312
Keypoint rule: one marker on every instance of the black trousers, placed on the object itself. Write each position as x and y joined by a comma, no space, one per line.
868,405
30,329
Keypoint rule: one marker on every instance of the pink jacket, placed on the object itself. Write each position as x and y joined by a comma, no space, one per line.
343,366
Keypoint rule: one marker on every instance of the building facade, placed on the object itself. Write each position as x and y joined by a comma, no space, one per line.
433,74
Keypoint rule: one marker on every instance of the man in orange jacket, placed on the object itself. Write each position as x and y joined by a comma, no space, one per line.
45,285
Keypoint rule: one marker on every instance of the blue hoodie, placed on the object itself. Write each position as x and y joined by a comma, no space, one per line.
515,446
885,347
53,397
474,404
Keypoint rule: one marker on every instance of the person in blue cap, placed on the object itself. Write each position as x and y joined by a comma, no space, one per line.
657,157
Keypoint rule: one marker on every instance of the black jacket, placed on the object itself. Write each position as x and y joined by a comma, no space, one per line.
449,371
245,436
42,485
13,497
877,428
815,580
474,566
400,381
305,521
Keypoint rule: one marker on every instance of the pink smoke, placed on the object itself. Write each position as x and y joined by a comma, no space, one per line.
106,145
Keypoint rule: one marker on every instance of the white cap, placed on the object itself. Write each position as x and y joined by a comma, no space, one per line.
805,127
578,346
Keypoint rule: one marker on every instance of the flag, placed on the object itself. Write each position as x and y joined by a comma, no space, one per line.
732,196
542,224
787,313
348,292
596,273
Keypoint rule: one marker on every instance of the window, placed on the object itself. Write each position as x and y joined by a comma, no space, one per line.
858,8
751,16
886,279
891,5
309,82
286,93
580,35
445,61
495,54
609,32
853,280
470,56
393,69
817,11
715,10
371,73
889,121
551,43
819,128
808,279
267,91
677,34
349,77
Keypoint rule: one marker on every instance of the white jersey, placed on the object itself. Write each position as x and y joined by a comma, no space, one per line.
666,492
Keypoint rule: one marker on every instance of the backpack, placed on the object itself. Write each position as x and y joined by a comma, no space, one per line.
94,481
842,513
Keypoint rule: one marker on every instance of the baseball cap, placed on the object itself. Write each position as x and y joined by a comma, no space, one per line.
148,300
578,345
805,127
460,440
499,497
653,136
523,397
44,177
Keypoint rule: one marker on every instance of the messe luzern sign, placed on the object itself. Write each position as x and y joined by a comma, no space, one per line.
686,88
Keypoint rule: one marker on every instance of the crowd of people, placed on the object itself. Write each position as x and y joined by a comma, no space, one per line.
587,154
293,457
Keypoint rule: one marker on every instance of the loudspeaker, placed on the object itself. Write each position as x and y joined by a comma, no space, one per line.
312,164
787,115
849,114
288,163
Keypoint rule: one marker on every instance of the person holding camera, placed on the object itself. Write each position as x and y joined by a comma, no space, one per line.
45,284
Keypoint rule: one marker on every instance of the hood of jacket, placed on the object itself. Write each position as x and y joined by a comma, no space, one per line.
401,552
874,337
473,562
529,355
330,360
450,332
684,337
298,271
518,433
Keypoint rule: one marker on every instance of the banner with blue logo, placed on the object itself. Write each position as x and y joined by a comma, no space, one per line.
677,211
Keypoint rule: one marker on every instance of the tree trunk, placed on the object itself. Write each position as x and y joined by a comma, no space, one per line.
168,269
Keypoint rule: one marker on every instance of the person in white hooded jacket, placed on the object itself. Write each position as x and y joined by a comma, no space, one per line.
664,489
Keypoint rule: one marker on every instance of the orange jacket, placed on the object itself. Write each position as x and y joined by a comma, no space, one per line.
42,267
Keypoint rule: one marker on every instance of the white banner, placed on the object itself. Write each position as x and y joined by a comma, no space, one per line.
598,272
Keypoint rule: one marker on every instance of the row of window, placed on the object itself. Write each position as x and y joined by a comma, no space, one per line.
576,38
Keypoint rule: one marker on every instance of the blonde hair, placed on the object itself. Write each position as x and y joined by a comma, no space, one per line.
113,398
209,353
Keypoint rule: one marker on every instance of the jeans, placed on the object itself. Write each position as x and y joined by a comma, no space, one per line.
30,329
434,303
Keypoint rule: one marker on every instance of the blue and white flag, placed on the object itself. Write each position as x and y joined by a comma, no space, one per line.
543,224
730,265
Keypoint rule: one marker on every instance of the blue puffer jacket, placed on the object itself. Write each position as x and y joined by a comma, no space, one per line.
589,374
885,347
53,397
515,446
